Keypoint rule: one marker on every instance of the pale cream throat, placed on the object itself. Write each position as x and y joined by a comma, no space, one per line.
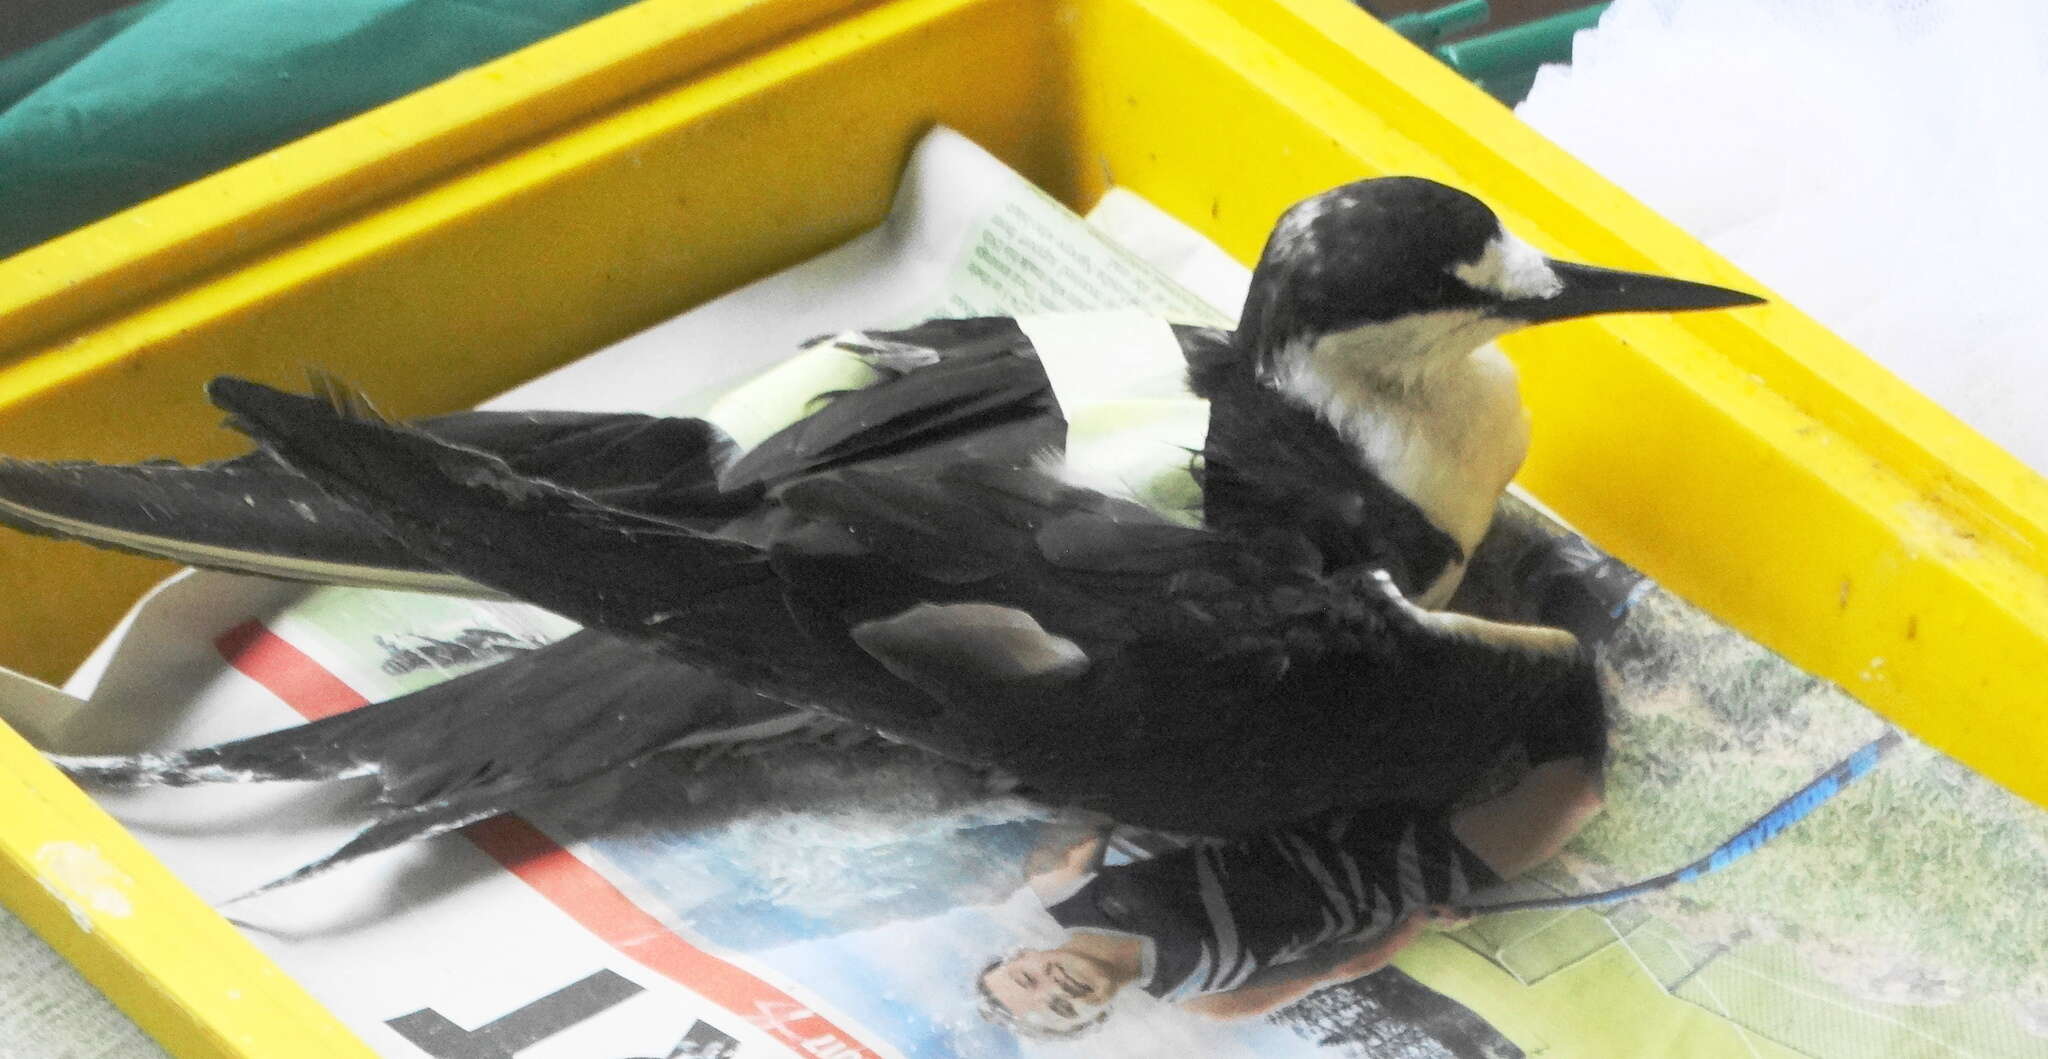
1450,439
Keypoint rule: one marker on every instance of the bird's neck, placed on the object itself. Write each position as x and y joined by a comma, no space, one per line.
1448,435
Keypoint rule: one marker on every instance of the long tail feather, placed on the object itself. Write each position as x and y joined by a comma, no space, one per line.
254,515
470,511
249,516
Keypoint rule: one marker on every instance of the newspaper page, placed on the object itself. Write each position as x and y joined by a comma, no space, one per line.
821,900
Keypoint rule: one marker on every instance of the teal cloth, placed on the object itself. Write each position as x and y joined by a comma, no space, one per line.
150,97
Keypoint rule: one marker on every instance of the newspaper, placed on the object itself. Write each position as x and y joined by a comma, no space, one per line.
840,901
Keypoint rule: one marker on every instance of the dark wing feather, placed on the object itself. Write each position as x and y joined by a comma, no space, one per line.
957,396
786,628
660,465
484,743
708,601
249,515
979,390
1099,542
253,515
913,347
717,603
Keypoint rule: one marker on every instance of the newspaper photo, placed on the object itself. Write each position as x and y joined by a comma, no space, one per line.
839,896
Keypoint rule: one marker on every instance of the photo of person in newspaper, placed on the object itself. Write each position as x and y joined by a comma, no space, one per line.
1239,928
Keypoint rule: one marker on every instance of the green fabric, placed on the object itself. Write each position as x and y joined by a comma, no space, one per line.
151,97
22,73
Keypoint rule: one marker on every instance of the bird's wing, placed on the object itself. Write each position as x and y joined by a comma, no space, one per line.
665,466
921,345
857,547
484,743
944,382
1235,689
254,515
964,384
248,515
492,740
1174,677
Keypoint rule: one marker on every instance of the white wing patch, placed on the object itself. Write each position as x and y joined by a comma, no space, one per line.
970,641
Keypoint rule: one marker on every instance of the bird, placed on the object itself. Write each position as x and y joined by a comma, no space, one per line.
1097,654
1358,414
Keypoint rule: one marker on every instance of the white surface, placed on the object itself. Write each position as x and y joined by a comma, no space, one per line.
1877,162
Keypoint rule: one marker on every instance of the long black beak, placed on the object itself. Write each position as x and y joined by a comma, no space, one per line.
1589,291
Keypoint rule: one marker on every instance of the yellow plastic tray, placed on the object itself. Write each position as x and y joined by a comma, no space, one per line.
452,243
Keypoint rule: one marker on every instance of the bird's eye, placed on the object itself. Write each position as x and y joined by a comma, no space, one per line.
1061,1007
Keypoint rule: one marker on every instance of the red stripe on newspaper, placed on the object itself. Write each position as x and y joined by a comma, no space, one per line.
571,885
288,672
608,913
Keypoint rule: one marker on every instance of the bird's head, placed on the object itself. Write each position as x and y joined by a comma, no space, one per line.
1392,278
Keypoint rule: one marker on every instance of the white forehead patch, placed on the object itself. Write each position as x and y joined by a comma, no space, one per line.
1299,218
1510,268
1292,236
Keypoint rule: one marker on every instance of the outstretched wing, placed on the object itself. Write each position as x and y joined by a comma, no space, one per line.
484,743
965,386
856,551
254,515
249,515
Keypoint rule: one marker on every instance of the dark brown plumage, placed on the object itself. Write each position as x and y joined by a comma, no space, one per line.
1222,687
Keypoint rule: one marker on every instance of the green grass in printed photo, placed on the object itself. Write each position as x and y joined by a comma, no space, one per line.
1903,919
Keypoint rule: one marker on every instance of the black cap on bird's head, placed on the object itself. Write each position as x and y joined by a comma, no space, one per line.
1409,271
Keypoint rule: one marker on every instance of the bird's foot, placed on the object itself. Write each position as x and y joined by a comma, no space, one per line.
1374,581
1539,640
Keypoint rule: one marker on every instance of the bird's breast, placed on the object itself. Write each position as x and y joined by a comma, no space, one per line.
1450,443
